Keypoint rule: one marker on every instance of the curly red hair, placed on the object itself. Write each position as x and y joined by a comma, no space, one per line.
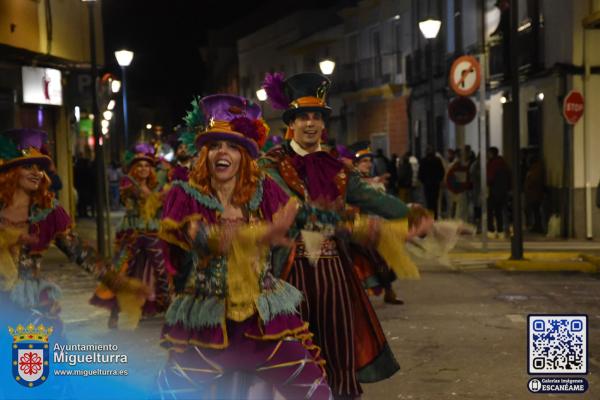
247,178
152,179
9,182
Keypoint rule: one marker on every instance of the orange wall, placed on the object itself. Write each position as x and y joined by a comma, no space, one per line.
384,116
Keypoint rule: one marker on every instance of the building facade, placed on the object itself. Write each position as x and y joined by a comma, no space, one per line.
44,74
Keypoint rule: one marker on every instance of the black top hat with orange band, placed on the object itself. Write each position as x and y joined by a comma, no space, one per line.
299,93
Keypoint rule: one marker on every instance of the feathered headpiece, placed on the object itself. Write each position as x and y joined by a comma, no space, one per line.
141,151
195,118
23,146
233,118
275,88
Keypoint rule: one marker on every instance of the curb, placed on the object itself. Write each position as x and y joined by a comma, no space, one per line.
547,266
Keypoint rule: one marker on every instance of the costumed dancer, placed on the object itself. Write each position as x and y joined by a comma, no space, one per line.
371,268
30,221
139,252
230,313
336,306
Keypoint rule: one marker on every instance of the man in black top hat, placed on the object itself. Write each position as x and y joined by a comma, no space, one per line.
336,306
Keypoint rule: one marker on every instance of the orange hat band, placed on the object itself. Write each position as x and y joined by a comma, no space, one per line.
308,101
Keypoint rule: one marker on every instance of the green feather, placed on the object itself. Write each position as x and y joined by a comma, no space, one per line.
128,157
189,138
195,117
8,149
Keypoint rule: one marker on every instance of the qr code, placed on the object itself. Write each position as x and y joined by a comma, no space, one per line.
557,344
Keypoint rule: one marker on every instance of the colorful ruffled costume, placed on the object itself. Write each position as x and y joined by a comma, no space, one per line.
230,313
25,296
139,252
336,306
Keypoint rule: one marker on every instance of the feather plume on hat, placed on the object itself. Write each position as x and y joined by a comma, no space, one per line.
273,85
195,118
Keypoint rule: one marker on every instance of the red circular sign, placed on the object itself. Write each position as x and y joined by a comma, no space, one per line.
462,110
573,107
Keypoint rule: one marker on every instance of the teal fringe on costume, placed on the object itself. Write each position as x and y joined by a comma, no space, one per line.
207,201
283,299
195,312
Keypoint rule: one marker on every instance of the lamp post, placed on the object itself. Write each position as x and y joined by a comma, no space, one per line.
430,29
98,150
327,66
124,58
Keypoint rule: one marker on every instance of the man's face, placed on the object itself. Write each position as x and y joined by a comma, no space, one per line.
181,153
364,165
308,129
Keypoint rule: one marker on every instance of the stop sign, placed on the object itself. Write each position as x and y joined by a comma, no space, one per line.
573,107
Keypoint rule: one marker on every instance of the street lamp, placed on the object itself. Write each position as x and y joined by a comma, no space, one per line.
261,94
124,58
101,223
115,86
430,29
327,66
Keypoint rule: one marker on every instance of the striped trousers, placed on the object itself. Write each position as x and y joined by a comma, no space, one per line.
328,309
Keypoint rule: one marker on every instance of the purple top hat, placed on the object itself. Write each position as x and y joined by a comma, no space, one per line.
142,152
233,118
22,147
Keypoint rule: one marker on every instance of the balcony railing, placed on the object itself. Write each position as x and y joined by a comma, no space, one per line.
530,54
369,72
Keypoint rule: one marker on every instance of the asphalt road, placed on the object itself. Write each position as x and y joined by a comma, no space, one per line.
461,334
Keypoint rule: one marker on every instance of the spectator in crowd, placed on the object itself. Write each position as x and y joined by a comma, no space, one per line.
405,178
431,174
84,184
115,174
458,184
533,189
474,195
380,163
499,185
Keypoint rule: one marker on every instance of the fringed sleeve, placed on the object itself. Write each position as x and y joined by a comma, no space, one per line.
179,209
389,240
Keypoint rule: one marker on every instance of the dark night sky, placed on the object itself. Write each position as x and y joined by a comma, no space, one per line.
166,37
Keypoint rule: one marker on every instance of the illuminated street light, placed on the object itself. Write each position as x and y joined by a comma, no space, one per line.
115,85
124,58
503,99
430,28
104,130
261,94
111,105
107,115
148,126
327,66
105,123
540,96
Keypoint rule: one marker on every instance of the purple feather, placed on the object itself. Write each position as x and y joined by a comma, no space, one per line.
273,85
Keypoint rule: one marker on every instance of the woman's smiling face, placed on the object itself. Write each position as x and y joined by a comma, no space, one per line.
223,160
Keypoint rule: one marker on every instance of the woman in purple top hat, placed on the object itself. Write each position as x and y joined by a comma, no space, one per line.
139,252
30,221
230,313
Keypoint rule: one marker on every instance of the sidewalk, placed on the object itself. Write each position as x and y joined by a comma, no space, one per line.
540,254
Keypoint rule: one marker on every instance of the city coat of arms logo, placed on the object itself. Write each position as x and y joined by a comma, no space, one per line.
30,354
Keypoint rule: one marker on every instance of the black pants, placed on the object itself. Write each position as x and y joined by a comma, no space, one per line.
496,210
432,192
